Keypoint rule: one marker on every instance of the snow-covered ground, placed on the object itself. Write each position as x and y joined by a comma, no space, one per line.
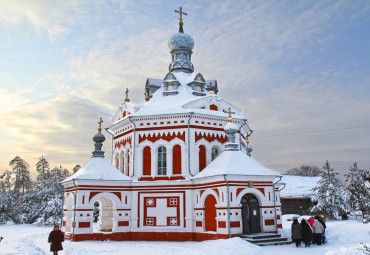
344,238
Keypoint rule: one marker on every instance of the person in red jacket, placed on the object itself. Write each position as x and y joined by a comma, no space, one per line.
56,237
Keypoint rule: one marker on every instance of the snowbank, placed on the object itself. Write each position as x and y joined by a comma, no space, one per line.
344,238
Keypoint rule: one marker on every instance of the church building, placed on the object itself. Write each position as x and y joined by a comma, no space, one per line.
181,170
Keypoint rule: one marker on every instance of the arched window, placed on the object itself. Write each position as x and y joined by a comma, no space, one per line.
147,160
202,157
210,213
162,161
176,159
214,153
122,162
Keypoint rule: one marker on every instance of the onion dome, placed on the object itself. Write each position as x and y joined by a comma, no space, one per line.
181,46
98,138
181,41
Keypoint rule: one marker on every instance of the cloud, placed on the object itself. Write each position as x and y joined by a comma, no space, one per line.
52,17
272,59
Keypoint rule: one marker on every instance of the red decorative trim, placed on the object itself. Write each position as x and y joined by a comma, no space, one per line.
118,144
278,216
279,225
150,236
262,190
198,223
210,137
269,222
222,224
167,137
64,223
123,134
234,224
123,223
161,178
84,224
213,107
92,194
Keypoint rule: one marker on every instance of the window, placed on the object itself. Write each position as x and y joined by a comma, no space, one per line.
162,161
214,153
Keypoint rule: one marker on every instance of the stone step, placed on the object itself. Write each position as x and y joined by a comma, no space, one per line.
266,240
260,236
275,243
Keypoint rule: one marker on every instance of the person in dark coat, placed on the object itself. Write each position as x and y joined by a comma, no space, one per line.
56,237
306,233
296,233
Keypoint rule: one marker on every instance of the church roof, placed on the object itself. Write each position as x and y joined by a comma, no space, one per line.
175,104
98,169
235,163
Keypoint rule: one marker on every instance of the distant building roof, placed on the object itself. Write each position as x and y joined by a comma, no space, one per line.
299,186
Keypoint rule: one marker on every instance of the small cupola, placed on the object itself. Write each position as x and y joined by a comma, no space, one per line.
198,85
170,85
181,46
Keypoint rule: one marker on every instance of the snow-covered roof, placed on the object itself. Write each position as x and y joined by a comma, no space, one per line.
299,186
174,104
98,169
235,163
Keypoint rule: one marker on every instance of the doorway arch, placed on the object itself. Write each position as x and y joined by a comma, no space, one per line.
251,217
106,218
210,213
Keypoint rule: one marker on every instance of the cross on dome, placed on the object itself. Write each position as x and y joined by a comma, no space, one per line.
100,122
230,112
181,13
181,30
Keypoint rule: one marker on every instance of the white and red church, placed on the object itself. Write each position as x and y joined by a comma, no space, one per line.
181,170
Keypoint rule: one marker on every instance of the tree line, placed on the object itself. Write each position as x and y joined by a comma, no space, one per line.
335,198
23,200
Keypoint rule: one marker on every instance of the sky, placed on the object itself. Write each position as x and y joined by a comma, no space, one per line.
299,70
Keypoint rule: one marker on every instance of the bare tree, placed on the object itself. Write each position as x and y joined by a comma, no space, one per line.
304,170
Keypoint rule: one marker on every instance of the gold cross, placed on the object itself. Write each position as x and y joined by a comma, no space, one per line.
100,122
230,112
247,137
181,13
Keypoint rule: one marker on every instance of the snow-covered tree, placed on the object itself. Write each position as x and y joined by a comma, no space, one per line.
358,187
76,168
330,195
43,170
21,174
6,181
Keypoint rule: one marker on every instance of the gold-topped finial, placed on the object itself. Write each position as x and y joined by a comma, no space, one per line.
230,112
100,122
247,137
181,13
127,99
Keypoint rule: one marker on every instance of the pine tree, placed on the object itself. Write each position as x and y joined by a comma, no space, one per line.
43,170
358,187
76,168
6,180
330,194
21,173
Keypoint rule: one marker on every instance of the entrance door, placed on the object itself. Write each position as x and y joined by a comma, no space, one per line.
250,214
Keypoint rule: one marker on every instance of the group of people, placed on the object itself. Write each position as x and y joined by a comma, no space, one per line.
311,231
